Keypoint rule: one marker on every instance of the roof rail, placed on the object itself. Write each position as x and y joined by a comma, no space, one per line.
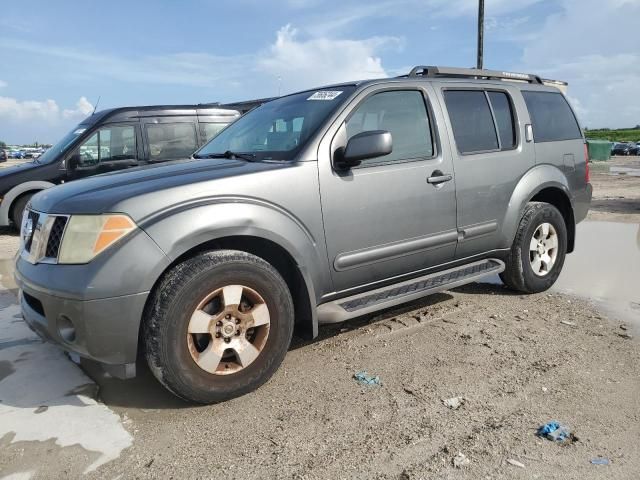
432,71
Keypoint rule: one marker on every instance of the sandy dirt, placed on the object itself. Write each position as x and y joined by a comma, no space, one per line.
517,362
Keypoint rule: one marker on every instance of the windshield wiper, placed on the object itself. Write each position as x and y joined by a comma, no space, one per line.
249,157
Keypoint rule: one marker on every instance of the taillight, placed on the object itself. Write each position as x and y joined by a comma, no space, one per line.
587,177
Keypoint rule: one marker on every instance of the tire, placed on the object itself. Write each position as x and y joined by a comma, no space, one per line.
18,209
519,271
181,361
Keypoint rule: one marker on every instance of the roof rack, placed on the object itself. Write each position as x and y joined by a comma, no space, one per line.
432,71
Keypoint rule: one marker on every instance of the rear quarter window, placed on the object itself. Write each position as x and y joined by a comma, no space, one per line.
551,117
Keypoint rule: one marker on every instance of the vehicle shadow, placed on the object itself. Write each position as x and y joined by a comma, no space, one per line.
145,392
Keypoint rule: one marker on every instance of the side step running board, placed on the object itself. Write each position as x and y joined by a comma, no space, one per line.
374,300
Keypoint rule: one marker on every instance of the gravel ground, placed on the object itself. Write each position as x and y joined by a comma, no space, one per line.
517,362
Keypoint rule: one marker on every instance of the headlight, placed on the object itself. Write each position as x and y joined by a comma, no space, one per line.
87,235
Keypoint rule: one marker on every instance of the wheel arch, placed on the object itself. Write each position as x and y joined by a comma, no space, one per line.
543,183
268,233
16,192
556,197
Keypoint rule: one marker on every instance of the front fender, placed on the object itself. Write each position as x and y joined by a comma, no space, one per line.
15,192
186,227
531,183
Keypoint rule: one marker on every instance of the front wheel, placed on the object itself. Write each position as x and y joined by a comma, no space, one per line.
538,251
218,326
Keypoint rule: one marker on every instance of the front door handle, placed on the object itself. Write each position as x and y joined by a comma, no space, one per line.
437,177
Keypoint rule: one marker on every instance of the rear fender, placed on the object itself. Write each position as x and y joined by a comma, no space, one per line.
532,182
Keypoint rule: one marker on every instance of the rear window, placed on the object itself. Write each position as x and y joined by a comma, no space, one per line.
551,117
471,120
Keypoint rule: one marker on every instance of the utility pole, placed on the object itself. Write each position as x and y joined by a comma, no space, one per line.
480,33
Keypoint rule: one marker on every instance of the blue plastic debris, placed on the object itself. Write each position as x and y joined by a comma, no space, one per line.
364,378
600,461
555,431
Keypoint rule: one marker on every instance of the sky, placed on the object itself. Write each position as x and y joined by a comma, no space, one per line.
57,58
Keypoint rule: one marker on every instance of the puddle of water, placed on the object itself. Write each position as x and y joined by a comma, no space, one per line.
35,375
633,172
605,267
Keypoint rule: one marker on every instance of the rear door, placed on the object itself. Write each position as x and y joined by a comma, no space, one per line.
383,219
486,125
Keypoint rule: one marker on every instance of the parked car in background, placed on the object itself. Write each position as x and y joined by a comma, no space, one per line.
316,207
16,154
626,149
112,140
4,156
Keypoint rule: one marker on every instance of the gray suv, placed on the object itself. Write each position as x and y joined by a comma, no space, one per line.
314,208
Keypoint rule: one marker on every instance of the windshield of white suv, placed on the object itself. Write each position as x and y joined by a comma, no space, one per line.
276,130
51,155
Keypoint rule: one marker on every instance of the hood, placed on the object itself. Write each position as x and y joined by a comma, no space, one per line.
142,191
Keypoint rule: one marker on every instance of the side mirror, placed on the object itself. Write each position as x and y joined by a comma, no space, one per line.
364,145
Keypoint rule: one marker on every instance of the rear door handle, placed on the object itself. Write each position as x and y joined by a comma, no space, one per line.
437,177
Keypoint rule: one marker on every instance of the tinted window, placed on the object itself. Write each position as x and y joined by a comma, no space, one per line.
551,117
404,114
504,119
109,144
171,140
471,120
210,130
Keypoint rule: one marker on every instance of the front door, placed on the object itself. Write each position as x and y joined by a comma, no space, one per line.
110,148
392,215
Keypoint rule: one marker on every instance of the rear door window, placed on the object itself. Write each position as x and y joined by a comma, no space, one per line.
471,120
170,141
551,117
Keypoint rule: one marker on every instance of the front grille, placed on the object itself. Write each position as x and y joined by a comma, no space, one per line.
55,237
33,216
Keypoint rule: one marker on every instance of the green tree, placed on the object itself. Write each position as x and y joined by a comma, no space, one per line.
2,144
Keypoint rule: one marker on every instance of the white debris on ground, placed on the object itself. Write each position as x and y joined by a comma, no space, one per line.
44,396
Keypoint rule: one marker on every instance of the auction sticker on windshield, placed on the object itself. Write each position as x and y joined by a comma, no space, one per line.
325,95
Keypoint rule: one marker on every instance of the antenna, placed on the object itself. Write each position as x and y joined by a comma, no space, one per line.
96,105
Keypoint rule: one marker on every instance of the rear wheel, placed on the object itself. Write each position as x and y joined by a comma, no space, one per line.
218,326
18,209
538,251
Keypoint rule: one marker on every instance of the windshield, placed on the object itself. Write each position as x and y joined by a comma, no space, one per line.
52,154
277,130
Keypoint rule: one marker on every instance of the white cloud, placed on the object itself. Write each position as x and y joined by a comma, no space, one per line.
17,111
317,61
602,68
82,110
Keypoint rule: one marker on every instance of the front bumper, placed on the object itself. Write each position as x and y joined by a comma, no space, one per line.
104,330
94,309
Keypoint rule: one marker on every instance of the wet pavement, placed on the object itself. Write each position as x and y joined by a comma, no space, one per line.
605,268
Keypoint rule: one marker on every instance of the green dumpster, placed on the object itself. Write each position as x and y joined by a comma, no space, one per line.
599,150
